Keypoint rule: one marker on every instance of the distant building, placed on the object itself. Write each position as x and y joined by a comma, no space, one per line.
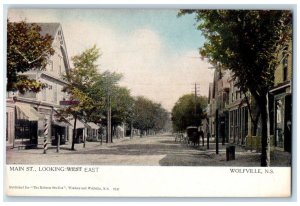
217,101
238,114
211,108
223,89
233,115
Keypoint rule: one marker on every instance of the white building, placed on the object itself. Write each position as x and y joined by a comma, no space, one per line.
28,114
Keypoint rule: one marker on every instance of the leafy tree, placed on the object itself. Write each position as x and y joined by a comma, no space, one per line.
249,43
100,91
161,118
148,115
27,50
122,104
184,113
80,79
95,92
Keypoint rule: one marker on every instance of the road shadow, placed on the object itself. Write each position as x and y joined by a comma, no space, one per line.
162,147
210,159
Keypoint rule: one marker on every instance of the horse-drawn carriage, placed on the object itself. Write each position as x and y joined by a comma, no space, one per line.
192,135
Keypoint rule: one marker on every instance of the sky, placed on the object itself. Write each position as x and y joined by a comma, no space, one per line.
156,51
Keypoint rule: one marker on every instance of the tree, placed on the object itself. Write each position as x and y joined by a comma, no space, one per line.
249,43
80,79
161,118
100,91
27,50
122,104
184,113
148,115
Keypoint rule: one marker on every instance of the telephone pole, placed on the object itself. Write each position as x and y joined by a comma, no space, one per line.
108,83
196,91
109,137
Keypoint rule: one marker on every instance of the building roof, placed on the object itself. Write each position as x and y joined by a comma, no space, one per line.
49,28
93,125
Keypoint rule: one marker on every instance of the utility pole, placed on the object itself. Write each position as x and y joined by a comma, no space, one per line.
217,131
108,136
195,98
196,90
109,114
131,129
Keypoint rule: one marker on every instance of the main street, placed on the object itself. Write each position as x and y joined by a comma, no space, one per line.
146,151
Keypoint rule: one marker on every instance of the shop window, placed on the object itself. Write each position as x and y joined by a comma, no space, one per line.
279,123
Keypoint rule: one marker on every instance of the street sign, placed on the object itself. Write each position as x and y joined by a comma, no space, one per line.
69,102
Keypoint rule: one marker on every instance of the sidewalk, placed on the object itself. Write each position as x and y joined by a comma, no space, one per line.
245,156
66,148
145,151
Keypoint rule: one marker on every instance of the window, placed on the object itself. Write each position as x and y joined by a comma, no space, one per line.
54,93
279,123
50,65
31,95
60,64
285,68
7,126
285,63
44,94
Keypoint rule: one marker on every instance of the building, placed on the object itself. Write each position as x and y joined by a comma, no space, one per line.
211,108
238,114
222,92
281,103
93,132
234,120
217,102
228,102
31,116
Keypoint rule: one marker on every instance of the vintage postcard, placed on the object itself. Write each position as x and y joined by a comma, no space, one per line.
149,102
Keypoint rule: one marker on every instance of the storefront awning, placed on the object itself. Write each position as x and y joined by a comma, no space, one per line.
59,120
93,125
79,124
61,124
26,111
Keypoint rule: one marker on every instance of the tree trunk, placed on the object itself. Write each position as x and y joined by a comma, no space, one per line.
84,137
131,130
207,132
265,133
207,144
255,119
74,133
217,131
